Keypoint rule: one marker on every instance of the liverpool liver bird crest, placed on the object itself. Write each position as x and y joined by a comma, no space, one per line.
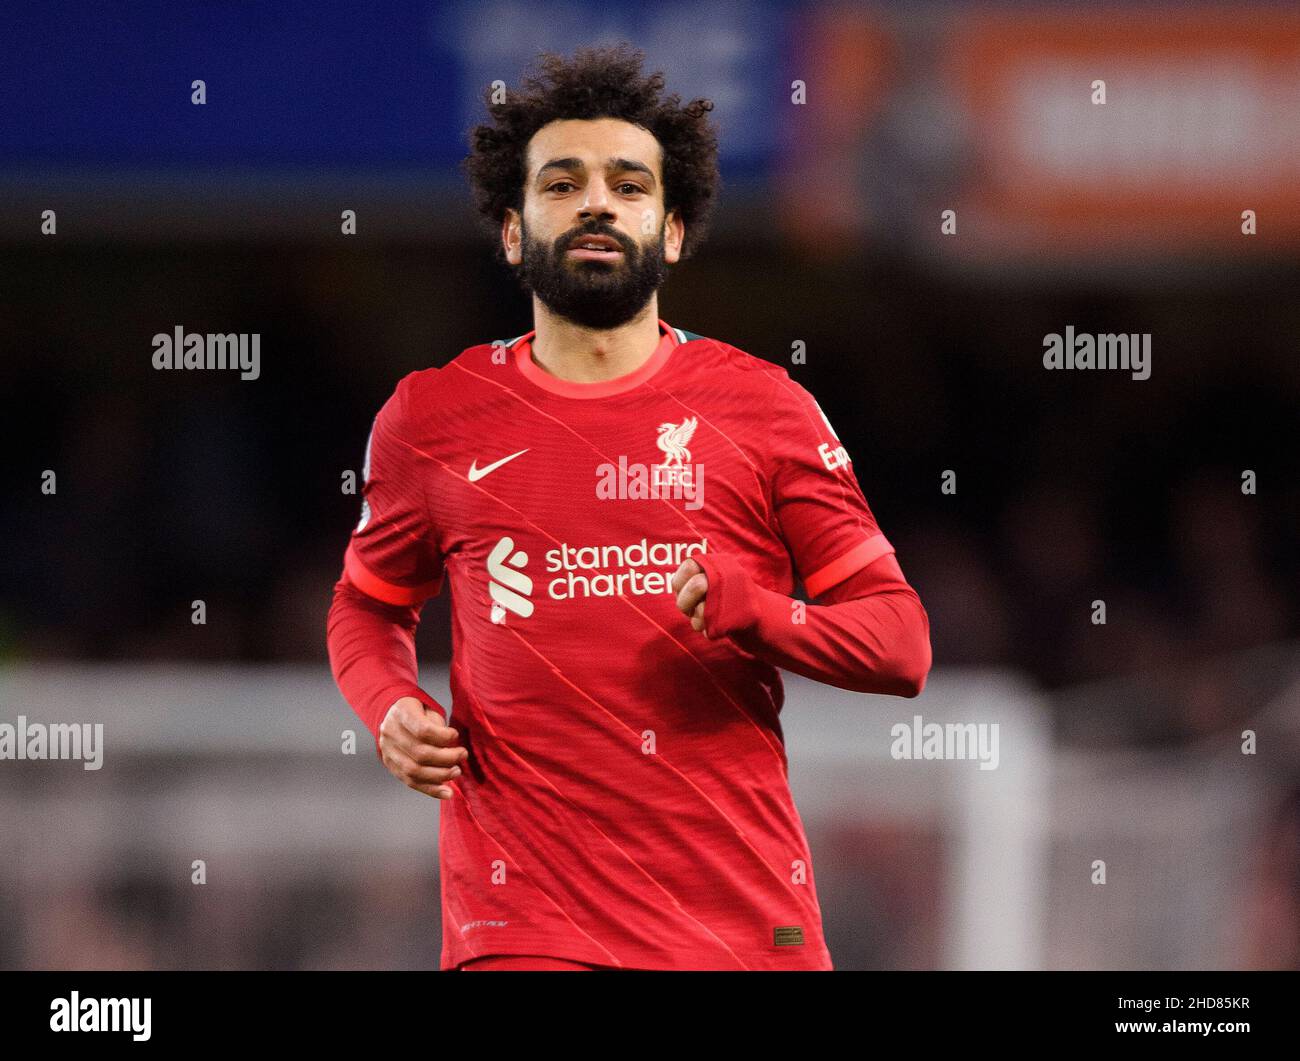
673,439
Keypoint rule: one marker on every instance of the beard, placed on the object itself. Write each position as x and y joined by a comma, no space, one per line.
593,294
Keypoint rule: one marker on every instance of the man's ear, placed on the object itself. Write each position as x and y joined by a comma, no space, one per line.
512,237
674,237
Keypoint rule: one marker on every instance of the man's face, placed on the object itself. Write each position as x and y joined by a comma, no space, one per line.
597,178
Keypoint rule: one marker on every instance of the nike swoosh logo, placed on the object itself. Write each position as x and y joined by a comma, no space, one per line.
476,473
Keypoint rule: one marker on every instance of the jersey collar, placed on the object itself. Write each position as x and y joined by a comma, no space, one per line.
670,339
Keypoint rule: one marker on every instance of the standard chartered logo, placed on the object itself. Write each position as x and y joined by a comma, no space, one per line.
508,587
637,569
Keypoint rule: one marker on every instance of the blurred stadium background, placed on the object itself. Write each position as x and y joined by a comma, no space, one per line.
1119,742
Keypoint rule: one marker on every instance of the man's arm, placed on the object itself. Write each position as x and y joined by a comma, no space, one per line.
390,568
372,654
873,636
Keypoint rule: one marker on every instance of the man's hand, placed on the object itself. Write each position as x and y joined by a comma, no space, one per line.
418,749
690,583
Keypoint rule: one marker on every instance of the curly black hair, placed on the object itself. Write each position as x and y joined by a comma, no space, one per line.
597,83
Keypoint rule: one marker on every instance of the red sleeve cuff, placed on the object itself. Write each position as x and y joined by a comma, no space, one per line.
428,701
374,586
729,602
865,552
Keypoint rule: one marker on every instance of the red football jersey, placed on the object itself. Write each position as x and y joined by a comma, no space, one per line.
625,801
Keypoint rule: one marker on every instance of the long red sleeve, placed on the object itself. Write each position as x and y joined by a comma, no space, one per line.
372,654
874,636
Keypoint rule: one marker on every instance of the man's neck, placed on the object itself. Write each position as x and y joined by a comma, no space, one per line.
571,352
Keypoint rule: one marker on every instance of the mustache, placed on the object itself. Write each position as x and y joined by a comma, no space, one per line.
564,242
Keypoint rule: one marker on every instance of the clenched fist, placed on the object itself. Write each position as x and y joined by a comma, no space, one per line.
691,584
419,750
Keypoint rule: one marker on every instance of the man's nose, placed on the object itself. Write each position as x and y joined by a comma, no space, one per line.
596,201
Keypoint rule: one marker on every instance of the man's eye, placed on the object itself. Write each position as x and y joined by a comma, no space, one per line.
557,184
635,187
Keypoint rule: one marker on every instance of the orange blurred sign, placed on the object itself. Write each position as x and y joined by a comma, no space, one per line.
1201,121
